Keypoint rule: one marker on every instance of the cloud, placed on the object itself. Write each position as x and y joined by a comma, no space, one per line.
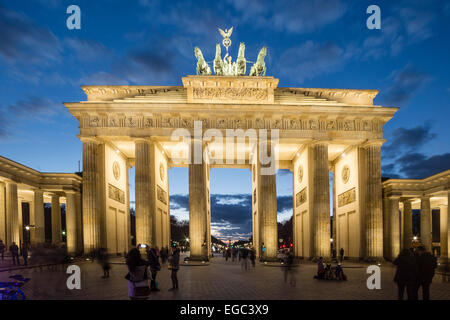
102,78
419,166
231,214
407,140
23,42
86,50
289,16
33,108
406,82
312,59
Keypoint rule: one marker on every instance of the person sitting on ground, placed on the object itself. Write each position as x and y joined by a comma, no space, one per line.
320,270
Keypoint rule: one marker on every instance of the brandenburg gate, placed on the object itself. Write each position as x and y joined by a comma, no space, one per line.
318,131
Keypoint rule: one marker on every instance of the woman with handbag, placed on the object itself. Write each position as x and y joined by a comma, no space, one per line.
137,277
174,265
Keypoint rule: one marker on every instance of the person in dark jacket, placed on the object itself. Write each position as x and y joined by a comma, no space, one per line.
153,260
405,275
24,253
426,265
14,249
341,254
2,249
174,265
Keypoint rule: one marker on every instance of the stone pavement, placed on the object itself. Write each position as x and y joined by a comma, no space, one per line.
220,280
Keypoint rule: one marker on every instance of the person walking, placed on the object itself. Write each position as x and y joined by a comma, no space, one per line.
341,254
137,275
252,257
405,275
24,253
289,270
153,260
426,266
174,265
103,260
244,258
14,249
2,249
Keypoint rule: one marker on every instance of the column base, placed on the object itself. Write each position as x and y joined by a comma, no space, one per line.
197,258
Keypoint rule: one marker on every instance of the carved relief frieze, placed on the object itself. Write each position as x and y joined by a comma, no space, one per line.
116,194
347,197
222,122
300,197
161,194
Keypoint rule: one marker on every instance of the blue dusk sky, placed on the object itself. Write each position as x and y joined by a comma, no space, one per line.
324,44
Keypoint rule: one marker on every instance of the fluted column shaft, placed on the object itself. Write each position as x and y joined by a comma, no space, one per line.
320,200
12,214
425,222
407,224
198,212
2,212
79,221
144,218
374,212
39,218
444,232
394,228
91,203
71,222
56,220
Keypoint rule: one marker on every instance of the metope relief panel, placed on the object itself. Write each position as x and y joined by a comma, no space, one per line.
300,197
116,194
347,197
161,194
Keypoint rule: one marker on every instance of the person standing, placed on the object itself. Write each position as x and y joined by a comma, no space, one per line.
14,249
426,265
341,254
2,249
252,257
153,260
174,265
24,253
405,275
137,275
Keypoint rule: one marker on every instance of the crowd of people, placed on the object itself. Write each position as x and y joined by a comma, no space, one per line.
415,270
244,255
138,269
415,267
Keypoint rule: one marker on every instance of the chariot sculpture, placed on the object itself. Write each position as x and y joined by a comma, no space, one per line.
225,66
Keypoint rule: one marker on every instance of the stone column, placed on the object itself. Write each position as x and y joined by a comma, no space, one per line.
2,212
425,222
91,195
444,233
374,212
320,199
198,213
79,222
407,224
12,214
56,220
144,218
71,222
394,228
39,218
267,202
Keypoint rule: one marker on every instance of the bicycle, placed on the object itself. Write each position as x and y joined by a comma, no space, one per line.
11,290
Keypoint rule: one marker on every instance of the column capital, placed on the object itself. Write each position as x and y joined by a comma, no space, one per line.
142,140
93,139
372,143
316,142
